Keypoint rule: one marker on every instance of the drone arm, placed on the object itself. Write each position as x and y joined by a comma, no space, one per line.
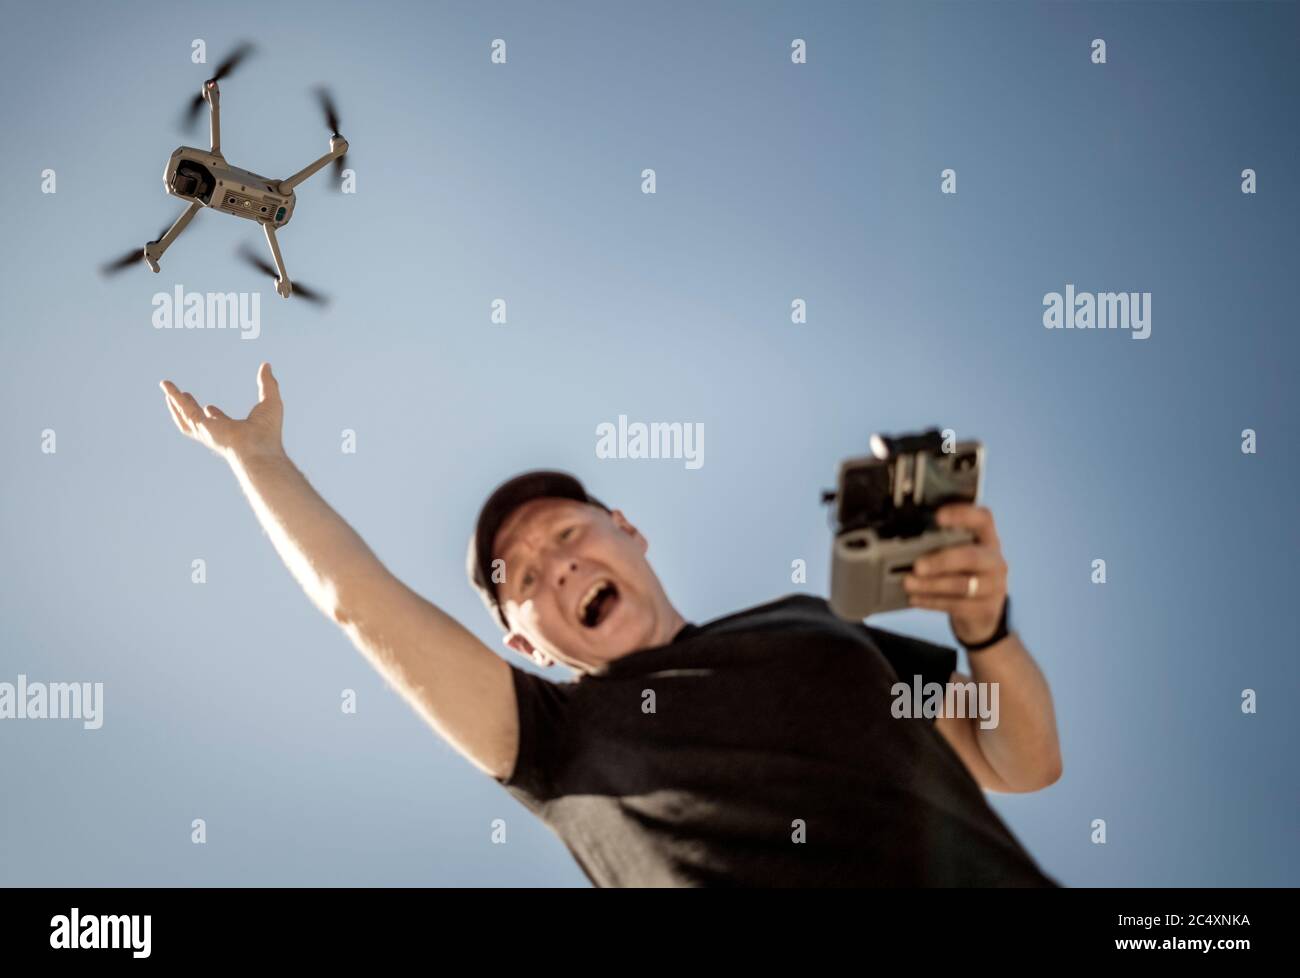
214,100
282,285
338,146
154,249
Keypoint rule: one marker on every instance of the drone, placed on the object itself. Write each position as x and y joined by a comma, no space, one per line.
204,178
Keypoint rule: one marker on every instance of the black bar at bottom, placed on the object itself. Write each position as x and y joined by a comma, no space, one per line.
332,927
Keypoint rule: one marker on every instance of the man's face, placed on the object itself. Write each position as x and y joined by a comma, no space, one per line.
578,588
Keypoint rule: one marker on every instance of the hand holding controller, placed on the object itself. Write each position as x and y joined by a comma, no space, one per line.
867,572
886,516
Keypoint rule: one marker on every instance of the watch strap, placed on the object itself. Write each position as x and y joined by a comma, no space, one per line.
999,633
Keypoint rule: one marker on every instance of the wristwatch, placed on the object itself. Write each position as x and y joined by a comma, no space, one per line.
999,633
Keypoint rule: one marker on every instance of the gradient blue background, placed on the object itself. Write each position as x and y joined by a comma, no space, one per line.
522,181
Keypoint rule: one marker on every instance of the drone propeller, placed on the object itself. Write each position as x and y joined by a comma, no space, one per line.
225,68
128,259
123,263
332,123
262,265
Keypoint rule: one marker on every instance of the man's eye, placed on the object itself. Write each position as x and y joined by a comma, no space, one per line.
567,531
527,582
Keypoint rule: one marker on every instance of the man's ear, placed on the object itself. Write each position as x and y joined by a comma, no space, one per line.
525,648
622,523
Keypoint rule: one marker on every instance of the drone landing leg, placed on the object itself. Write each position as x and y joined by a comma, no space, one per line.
282,284
154,249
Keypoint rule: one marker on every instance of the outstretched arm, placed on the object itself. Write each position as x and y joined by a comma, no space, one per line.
457,684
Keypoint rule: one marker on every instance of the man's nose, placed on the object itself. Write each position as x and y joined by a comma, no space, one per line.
568,567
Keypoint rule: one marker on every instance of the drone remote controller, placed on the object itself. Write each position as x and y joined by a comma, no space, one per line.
885,508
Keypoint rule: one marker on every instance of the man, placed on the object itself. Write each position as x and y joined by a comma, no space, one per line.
762,748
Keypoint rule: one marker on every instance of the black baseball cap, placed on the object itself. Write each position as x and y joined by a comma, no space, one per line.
505,499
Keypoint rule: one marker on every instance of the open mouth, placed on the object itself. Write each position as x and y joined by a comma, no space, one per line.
597,603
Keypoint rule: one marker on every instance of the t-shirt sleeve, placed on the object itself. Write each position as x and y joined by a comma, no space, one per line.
913,656
542,707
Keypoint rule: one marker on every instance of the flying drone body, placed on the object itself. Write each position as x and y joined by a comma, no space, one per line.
204,178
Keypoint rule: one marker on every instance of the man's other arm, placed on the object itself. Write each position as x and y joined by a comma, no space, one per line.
1022,752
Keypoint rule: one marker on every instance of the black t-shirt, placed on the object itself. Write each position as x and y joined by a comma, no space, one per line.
771,758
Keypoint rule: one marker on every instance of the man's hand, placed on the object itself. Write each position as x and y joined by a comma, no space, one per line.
942,580
258,435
